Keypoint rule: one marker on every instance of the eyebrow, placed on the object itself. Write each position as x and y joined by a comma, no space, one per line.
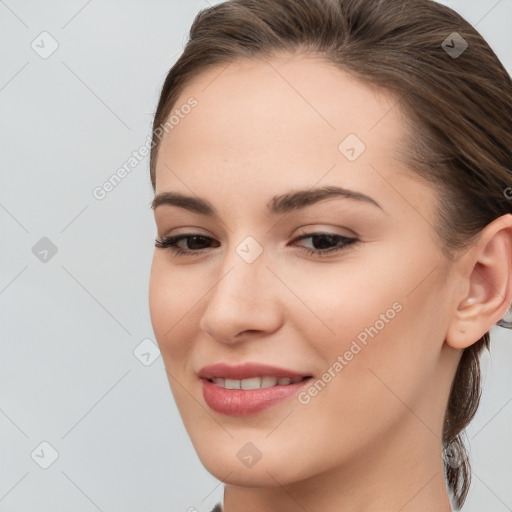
279,204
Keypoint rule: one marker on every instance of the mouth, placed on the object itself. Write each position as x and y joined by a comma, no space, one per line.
249,388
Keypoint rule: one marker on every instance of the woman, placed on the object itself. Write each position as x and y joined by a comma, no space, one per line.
334,213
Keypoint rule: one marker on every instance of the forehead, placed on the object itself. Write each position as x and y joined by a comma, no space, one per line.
286,88
280,119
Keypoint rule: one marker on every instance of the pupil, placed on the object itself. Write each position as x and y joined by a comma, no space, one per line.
193,239
323,245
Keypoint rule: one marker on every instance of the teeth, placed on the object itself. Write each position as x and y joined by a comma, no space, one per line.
268,382
255,382
232,384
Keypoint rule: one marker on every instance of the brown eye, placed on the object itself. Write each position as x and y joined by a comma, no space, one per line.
326,243
195,243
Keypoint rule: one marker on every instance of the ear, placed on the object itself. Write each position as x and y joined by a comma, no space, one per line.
487,285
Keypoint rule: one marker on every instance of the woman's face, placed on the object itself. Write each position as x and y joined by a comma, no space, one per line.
365,323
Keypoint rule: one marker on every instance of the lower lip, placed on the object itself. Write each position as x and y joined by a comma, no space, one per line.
240,402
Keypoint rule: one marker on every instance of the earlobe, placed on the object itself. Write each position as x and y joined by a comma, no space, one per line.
488,285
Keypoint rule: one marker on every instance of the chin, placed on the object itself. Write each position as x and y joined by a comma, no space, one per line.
239,462
234,472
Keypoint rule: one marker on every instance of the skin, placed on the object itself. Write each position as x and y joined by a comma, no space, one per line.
371,439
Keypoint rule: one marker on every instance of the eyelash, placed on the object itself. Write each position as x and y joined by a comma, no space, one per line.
169,242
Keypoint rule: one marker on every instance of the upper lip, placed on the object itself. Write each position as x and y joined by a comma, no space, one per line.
245,371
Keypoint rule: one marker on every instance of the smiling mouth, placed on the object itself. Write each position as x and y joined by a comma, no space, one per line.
256,382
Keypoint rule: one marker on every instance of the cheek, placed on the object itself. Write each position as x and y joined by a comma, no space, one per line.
379,323
339,305
172,298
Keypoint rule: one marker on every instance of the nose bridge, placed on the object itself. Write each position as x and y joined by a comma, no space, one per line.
243,280
244,269
240,300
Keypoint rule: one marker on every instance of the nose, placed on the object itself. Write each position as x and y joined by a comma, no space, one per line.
243,302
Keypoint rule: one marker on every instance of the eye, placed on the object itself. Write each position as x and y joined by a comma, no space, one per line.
193,240
329,243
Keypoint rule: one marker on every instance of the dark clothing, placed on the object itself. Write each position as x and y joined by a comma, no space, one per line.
218,508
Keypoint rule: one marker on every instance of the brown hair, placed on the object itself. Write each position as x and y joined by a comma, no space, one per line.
459,111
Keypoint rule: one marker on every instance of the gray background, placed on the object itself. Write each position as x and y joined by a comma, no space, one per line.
70,324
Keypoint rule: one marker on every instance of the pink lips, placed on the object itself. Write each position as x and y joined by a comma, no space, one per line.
240,402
